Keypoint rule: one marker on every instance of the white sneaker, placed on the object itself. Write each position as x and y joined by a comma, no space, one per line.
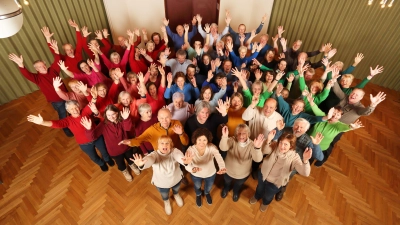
167,207
134,168
178,200
127,175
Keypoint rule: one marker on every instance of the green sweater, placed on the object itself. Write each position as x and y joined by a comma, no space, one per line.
248,97
318,98
329,131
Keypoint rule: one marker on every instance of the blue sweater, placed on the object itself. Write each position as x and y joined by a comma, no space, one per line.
191,93
178,40
237,61
235,36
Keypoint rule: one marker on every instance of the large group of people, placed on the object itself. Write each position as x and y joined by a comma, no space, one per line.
256,109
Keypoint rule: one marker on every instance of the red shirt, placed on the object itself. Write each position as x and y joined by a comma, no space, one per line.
156,104
45,81
74,124
113,134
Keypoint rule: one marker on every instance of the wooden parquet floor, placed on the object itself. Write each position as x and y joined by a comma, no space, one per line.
49,180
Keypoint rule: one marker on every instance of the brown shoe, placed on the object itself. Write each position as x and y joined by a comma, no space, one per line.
263,207
253,200
279,195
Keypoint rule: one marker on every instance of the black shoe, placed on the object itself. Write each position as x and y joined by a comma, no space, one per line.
104,167
209,199
279,195
111,162
198,201
224,193
319,163
254,175
235,197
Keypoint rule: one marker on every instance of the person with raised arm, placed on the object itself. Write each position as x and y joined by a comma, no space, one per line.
180,109
155,96
190,91
242,31
73,122
43,78
214,35
76,94
242,151
241,60
166,170
178,37
121,46
180,63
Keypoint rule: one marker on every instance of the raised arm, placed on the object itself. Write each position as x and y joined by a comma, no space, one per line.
65,69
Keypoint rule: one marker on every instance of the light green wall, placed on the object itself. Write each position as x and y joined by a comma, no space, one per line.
351,26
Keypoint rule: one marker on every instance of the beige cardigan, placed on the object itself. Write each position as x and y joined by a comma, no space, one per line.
239,159
205,162
293,161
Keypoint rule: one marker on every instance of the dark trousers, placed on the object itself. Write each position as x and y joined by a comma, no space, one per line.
265,190
62,113
237,185
328,151
120,159
89,149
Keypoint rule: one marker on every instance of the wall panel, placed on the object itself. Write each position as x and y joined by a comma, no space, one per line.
29,41
351,26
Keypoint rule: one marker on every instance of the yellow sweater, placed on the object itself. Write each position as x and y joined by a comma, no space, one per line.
155,131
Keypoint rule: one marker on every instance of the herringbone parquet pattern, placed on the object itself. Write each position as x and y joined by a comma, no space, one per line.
49,180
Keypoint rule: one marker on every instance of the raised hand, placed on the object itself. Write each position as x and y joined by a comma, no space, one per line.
221,107
98,34
193,81
137,159
280,124
188,158
259,140
86,123
186,27
241,38
207,28
290,78
221,171
136,31
281,56
264,18
93,108
275,39
46,33
358,59
330,84
375,100
57,82
85,31
163,29
280,31
105,33
317,139
326,48
18,60
73,24
279,75
258,74
199,18
229,46
256,62
210,75
191,109
279,89
125,113
356,125
178,129
54,46
376,71
169,79
125,142
335,73
271,135
235,86
130,33
307,154
331,53
82,87
93,92
161,70
225,131
62,66
283,41
35,119
330,113
144,31
326,63
254,100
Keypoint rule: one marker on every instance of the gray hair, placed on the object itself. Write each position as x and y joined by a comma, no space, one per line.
242,126
71,102
143,107
177,95
302,120
181,52
201,105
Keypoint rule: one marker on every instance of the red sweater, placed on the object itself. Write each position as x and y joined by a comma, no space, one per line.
121,64
45,81
74,124
156,104
121,50
72,63
113,134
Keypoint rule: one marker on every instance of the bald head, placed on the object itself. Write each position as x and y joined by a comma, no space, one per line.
269,107
164,117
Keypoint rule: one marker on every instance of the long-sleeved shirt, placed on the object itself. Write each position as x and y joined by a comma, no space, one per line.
248,96
259,123
237,61
166,170
67,96
329,131
351,112
45,81
113,134
155,131
93,78
74,124
156,104
235,118
205,162
239,157
179,40
177,66
191,93
318,98
235,36
181,114
122,63
203,34
212,123
291,161
289,118
215,88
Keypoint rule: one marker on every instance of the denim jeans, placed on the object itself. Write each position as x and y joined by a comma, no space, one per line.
265,190
208,183
120,159
89,149
238,183
165,191
62,113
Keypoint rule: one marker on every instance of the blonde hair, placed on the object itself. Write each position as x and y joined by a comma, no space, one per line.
348,76
166,137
